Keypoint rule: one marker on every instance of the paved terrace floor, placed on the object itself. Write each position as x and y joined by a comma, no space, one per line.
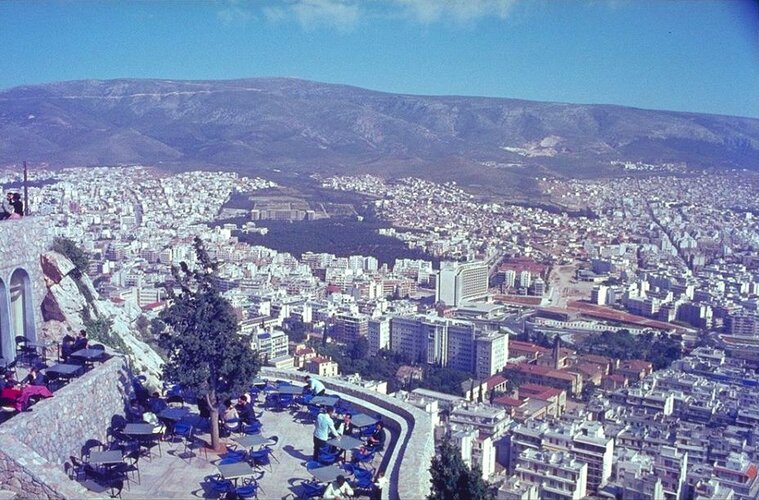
169,476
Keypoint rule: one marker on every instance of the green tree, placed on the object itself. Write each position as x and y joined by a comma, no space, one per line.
453,480
359,349
204,351
71,250
295,329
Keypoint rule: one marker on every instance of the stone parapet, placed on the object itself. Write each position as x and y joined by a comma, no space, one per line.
36,444
408,457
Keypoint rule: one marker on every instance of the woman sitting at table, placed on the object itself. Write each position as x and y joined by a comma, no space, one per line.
27,389
229,417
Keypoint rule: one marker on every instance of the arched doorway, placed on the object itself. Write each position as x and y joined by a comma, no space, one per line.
7,343
21,306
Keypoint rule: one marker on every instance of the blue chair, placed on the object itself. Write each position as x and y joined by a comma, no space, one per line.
220,485
273,440
261,458
327,458
252,428
349,468
284,401
232,456
314,411
368,431
363,482
272,400
249,489
361,458
312,464
312,489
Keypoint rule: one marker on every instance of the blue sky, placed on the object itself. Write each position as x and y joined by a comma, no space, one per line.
689,55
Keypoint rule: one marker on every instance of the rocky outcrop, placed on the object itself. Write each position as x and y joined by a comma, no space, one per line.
55,267
71,303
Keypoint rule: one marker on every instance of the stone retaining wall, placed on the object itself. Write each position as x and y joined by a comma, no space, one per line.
34,445
410,455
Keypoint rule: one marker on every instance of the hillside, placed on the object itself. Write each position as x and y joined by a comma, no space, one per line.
255,124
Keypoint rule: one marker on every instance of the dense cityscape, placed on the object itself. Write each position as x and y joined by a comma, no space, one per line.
379,249
607,347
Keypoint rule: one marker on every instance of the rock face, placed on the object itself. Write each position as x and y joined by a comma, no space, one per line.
71,302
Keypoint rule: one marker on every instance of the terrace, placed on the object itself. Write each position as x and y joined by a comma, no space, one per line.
42,441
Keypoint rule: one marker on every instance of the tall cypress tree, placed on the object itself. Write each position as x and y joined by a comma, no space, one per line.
200,334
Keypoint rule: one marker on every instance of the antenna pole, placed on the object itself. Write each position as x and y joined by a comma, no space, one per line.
26,190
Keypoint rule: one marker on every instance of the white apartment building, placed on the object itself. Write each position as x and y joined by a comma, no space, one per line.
492,353
435,340
585,441
459,282
475,452
558,475
378,335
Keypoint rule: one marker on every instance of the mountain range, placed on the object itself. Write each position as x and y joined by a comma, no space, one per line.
253,125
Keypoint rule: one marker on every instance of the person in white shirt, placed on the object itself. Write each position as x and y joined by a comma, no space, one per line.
339,489
315,386
324,427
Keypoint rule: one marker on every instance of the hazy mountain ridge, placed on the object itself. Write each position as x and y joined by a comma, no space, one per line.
278,122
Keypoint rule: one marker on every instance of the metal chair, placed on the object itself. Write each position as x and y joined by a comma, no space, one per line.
220,485
249,488
312,489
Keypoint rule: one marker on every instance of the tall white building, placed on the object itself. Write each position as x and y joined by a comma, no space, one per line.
509,278
459,282
492,353
525,279
378,335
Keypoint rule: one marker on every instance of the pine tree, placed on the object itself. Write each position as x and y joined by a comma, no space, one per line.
199,332
453,480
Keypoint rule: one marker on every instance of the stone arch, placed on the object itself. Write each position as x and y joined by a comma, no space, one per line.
21,305
7,343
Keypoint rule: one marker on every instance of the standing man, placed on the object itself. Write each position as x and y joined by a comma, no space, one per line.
315,386
324,427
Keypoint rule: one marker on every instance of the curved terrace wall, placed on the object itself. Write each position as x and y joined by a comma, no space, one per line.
407,457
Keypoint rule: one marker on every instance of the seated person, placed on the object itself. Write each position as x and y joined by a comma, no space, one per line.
151,418
338,489
67,347
135,410
344,426
229,416
156,403
34,378
245,409
314,386
23,392
80,342
10,380
377,439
